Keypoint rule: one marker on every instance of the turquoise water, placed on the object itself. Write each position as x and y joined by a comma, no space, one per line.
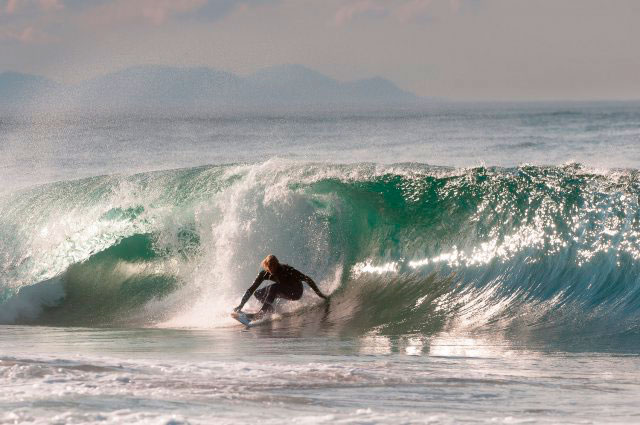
477,272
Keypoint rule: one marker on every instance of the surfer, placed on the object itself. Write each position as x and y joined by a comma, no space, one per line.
288,285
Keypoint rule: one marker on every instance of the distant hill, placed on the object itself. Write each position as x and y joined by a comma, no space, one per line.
24,89
172,89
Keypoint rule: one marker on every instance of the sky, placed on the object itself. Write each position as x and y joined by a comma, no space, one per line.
457,49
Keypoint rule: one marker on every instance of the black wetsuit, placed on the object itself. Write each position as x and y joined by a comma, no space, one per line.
288,286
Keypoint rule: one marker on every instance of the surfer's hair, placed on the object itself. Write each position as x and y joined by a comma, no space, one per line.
270,263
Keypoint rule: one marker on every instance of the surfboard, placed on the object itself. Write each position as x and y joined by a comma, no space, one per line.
241,317
250,319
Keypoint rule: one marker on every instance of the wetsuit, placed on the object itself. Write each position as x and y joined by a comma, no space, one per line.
288,286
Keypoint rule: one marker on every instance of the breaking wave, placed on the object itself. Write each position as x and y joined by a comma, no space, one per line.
403,248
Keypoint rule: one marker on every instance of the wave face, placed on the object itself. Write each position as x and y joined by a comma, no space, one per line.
403,248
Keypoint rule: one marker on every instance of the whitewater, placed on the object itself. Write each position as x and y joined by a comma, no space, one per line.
483,263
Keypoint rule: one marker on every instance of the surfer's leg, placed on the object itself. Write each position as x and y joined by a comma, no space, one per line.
292,293
261,294
268,295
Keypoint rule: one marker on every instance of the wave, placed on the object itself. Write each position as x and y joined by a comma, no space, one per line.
403,248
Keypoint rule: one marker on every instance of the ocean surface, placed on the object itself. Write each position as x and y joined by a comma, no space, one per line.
483,263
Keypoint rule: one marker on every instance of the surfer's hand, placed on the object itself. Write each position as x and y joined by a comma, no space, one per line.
237,309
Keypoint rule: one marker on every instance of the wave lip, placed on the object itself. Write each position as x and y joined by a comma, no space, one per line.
521,250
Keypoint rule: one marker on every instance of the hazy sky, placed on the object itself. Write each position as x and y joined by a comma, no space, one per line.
462,49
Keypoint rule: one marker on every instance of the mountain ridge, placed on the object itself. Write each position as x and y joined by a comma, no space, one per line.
171,88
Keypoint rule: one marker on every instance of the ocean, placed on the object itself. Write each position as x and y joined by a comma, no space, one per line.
483,262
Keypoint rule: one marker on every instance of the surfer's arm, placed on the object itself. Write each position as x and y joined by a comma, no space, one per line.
261,278
313,286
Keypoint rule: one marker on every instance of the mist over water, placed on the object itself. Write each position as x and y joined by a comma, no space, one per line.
472,253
